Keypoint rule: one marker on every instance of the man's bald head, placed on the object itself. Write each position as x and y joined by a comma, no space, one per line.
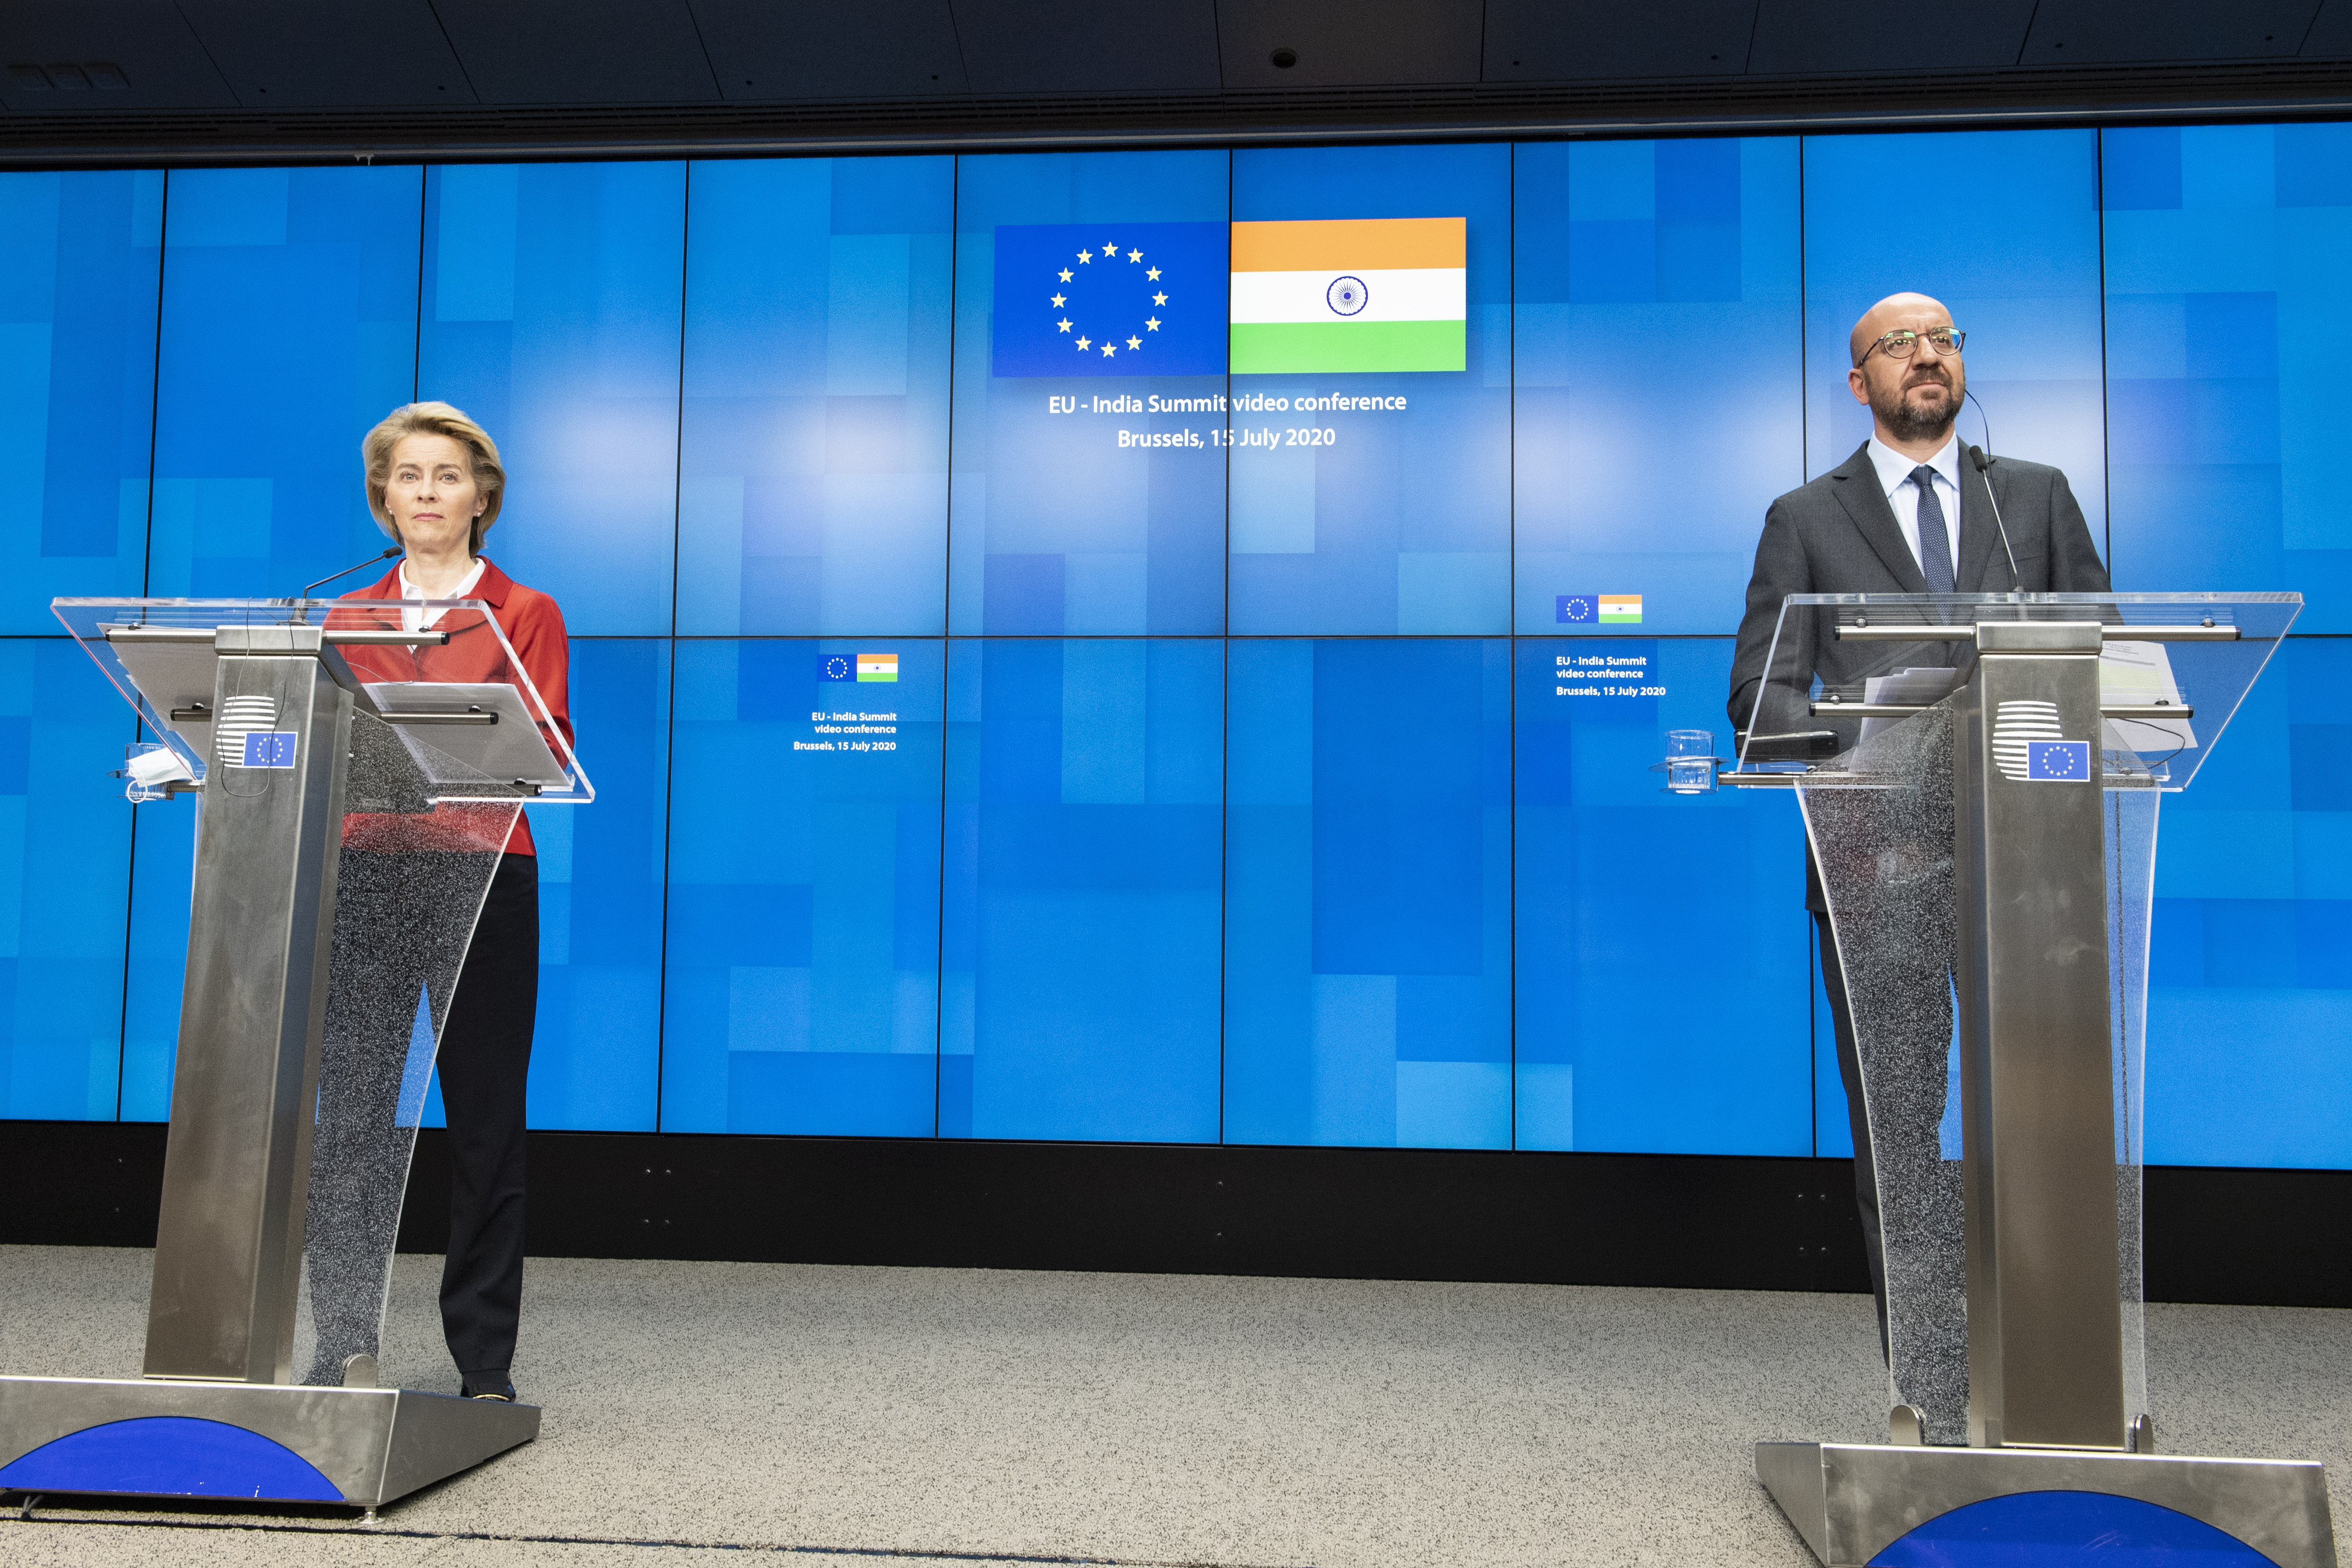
1914,396
1896,311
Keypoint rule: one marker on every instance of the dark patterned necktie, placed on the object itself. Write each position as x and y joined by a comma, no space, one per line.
1935,544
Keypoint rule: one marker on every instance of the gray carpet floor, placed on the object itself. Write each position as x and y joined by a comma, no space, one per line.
856,1418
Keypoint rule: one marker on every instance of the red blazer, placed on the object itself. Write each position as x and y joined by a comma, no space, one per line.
533,625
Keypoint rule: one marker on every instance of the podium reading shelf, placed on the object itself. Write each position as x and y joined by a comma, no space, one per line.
1979,776
352,811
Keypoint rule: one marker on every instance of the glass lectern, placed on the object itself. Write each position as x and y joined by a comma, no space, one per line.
1979,777
352,803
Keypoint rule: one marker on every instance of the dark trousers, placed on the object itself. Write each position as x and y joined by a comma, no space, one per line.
484,1063
398,924
1865,1175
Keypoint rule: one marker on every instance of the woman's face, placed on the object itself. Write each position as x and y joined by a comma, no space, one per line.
432,495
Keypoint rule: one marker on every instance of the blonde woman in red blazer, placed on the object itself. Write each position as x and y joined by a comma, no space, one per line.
434,484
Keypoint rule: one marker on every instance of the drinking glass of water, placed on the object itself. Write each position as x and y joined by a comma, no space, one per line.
1690,761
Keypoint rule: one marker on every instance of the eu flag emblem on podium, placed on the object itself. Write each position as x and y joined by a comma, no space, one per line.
1110,299
270,749
2058,760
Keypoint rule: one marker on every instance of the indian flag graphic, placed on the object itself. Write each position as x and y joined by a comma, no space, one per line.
1622,608
1353,294
877,666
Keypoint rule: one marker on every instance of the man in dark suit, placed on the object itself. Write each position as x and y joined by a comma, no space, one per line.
1909,513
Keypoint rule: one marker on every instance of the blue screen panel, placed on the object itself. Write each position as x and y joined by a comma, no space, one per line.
293,291
813,447
162,877
1647,271
1090,503
2019,273
2223,243
65,849
1832,1117
596,1058
2250,968
804,889
596,1052
1079,978
1663,939
77,299
552,316
1368,976
1390,519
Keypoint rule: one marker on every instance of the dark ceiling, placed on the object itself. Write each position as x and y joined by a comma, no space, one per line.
185,80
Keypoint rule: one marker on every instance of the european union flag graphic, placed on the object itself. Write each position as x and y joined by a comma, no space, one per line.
836,667
1110,299
1579,609
269,747
2058,760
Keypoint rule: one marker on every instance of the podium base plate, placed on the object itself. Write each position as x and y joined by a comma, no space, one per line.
1853,1501
254,1442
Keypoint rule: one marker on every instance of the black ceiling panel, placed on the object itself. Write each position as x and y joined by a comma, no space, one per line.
1543,40
2111,31
302,54
579,51
47,47
1804,36
1348,43
771,50
1050,46
104,83
2331,32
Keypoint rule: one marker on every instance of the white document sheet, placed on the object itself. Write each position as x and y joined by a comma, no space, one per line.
1923,687
2140,675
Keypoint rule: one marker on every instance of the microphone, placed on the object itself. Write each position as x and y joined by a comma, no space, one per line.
1977,456
303,598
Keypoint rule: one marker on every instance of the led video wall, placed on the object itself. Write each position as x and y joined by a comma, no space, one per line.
1169,645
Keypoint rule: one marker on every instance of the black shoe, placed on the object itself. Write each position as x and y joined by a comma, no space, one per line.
502,1391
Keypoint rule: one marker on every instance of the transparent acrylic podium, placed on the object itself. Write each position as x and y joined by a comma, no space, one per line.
1979,777
353,801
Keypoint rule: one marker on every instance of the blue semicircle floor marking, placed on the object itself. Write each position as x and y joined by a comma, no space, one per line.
169,1456
2067,1529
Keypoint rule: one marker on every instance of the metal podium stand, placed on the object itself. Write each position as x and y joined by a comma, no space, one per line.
353,806
1979,777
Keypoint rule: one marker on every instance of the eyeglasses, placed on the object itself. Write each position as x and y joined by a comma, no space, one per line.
1904,344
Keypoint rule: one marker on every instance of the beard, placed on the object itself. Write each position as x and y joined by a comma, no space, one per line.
1920,421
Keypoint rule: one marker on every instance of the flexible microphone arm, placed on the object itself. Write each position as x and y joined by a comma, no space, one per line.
1981,462
1980,413
1977,456
304,597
